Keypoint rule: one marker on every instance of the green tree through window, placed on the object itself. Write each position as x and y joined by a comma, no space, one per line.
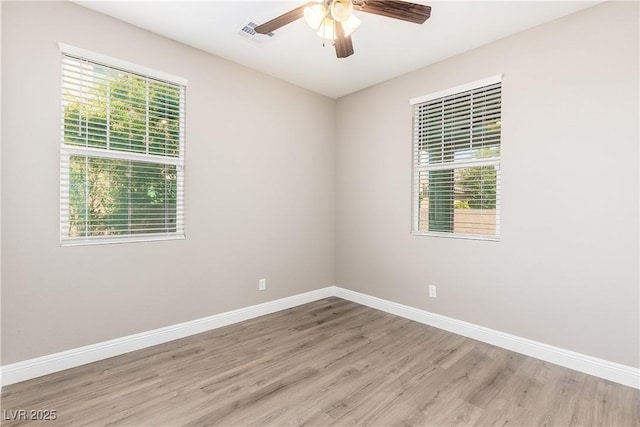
456,152
122,142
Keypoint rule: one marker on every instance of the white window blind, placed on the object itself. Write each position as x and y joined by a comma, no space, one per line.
122,155
456,161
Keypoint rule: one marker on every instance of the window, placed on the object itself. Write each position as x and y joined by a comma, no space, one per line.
456,161
122,151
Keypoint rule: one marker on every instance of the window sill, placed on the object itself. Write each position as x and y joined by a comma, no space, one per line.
120,239
457,236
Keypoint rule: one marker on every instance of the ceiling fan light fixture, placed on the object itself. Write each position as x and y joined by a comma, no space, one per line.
350,25
341,10
327,29
314,15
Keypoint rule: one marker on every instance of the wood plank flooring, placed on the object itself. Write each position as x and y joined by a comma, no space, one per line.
330,362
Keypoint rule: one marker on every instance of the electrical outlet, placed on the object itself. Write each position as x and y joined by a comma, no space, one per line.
433,291
262,284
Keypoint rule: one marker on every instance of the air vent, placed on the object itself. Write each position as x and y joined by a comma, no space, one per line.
248,32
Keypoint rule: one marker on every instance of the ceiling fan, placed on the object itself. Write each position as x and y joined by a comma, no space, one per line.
334,19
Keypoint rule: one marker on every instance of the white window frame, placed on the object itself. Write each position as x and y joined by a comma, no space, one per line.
66,151
456,164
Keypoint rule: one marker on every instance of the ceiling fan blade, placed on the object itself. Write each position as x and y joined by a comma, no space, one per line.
403,10
282,20
344,46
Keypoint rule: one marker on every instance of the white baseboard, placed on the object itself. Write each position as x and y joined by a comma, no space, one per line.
33,368
612,371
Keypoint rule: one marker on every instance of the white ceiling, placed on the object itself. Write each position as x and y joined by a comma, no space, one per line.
384,47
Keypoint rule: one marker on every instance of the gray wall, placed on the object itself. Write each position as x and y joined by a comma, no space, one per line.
566,270
259,192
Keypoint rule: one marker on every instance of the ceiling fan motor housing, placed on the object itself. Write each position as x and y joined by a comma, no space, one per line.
341,10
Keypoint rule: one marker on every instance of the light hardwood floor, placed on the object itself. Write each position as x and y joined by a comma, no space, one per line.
331,362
